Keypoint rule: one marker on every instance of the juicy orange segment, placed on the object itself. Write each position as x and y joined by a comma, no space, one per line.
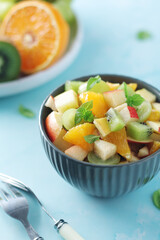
119,138
113,86
154,116
99,105
155,147
76,135
38,31
133,86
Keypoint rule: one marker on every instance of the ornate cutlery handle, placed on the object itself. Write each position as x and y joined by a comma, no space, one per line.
66,231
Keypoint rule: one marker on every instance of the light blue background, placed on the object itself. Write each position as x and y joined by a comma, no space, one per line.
109,46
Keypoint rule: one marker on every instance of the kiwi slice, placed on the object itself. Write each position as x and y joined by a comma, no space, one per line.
115,120
139,131
143,111
10,62
93,158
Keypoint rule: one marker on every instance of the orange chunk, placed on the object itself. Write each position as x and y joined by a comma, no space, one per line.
133,86
154,116
113,86
155,147
119,138
38,31
76,135
99,105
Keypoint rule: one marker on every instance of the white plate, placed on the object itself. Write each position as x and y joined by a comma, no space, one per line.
32,81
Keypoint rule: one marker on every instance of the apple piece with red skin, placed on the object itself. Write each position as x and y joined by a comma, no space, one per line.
50,103
53,124
129,114
114,98
139,141
76,152
154,125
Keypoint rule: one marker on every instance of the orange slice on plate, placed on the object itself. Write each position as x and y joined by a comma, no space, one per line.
39,32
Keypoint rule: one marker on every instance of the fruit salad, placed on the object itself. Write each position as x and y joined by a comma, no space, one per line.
103,122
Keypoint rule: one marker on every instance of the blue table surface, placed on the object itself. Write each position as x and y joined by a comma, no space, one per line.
109,46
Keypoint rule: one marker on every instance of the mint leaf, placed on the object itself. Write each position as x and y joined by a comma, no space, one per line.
91,138
134,100
26,112
84,113
137,99
92,81
88,116
87,106
78,117
156,198
143,35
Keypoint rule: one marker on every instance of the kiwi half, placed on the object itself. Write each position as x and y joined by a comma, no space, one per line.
10,62
139,131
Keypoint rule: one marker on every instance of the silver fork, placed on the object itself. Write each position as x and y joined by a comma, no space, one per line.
16,206
62,227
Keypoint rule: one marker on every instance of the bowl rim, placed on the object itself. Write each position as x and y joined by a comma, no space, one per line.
44,134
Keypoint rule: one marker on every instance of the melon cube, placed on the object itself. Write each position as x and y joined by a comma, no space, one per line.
147,95
156,106
66,100
76,152
104,149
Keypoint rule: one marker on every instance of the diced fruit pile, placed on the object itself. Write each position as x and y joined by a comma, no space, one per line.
104,123
33,35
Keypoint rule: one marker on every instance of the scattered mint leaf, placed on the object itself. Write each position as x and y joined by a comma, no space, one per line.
26,112
91,138
135,100
84,113
92,81
156,198
143,35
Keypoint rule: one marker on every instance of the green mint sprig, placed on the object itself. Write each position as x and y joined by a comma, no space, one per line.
143,35
92,81
26,112
91,138
84,113
134,100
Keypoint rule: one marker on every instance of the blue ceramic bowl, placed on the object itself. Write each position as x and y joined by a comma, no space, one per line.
97,180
